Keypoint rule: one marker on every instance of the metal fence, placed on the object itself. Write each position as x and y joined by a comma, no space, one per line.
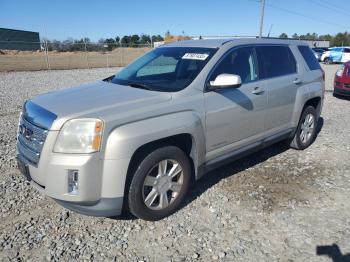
80,54
64,55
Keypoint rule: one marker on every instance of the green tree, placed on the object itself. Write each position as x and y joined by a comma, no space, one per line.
125,41
145,39
309,36
117,40
327,37
134,40
295,36
110,42
341,39
283,36
157,38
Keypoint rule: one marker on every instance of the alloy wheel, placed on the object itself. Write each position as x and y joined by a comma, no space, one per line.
307,128
162,184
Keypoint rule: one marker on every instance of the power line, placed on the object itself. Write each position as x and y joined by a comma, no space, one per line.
304,16
332,5
299,14
330,8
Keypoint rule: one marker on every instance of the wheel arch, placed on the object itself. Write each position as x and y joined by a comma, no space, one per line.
185,141
314,102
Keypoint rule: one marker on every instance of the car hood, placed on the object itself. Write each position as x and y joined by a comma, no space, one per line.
98,99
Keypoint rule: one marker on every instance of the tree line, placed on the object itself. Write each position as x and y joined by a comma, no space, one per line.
72,45
340,39
108,44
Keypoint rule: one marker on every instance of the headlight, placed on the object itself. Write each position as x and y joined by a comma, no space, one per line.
80,136
340,71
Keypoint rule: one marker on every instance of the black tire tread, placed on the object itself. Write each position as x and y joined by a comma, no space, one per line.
296,143
135,203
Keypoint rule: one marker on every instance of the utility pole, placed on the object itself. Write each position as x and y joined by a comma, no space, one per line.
262,17
268,35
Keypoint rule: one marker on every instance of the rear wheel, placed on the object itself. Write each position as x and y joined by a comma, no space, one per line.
159,184
306,131
327,61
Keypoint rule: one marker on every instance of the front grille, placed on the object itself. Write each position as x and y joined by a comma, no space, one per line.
31,139
347,85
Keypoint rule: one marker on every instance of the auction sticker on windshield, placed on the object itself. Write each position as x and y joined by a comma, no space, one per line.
195,56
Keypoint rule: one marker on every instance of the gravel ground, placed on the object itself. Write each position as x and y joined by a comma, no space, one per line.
278,204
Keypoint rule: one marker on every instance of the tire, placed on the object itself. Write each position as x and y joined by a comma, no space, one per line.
306,132
327,61
154,192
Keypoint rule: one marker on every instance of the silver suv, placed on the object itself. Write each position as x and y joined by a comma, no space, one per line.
136,140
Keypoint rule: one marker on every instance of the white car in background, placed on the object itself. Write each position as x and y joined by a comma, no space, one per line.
336,55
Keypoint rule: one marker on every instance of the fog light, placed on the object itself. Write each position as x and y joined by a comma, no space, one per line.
73,182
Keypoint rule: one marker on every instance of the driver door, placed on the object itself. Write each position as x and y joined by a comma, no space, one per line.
235,116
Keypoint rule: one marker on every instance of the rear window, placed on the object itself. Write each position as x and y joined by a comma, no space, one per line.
275,61
309,57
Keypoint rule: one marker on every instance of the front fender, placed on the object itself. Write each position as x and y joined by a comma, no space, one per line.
124,140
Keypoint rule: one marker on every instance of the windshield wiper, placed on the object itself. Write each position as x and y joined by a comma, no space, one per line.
139,85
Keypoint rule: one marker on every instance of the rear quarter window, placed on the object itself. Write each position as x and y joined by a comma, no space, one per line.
309,57
275,61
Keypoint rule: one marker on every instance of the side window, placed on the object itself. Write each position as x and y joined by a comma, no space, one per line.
346,50
240,62
309,57
337,49
160,65
275,61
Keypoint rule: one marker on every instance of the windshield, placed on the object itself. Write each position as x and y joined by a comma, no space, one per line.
166,69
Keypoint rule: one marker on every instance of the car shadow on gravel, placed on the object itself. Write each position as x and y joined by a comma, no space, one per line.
333,252
235,167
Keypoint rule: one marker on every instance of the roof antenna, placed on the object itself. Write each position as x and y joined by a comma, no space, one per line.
268,35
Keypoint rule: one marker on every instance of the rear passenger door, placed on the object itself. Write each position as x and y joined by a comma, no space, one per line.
278,69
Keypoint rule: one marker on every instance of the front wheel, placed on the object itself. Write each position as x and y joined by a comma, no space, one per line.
306,130
327,61
159,184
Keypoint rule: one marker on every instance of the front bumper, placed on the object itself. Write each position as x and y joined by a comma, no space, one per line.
341,92
101,181
341,87
105,207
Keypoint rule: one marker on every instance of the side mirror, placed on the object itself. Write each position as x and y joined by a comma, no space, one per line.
225,81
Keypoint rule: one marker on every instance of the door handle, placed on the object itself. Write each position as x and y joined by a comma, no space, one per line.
297,81
257,91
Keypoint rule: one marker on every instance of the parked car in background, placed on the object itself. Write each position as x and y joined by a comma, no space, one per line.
342,80
319,51
138,138
336,55
317,55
